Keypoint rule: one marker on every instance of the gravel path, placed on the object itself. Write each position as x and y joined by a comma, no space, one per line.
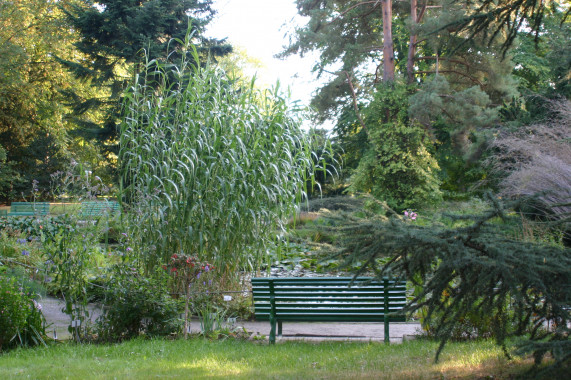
57,320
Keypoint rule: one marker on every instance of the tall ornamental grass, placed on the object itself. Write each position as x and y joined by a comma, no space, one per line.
209,168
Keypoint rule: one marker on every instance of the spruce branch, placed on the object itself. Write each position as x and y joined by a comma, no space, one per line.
476,267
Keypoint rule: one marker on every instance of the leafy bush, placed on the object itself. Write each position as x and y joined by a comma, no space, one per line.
470,323
45,227
21,320
136,305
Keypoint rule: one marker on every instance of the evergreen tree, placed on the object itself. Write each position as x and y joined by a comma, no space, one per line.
500,20
397,167
115,34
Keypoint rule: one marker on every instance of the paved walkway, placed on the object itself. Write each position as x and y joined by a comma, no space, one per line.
318,331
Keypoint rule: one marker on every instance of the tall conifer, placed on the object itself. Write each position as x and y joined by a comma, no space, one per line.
114,36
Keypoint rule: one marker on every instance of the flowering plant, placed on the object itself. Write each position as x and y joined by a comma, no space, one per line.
186,270
408,214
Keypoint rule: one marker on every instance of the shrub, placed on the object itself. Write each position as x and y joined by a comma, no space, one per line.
45,227
30,287
471,323
21,320
136,305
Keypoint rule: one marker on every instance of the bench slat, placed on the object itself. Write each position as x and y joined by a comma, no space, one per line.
320,299
332,305
323,306
323,281
335,318
329,294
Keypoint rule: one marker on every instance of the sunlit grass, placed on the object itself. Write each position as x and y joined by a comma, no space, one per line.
199,358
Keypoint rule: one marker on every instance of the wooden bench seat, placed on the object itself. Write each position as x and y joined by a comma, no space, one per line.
29,208
330,299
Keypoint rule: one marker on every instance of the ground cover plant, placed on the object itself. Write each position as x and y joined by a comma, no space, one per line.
200,358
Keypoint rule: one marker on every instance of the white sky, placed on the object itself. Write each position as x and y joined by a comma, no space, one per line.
259,26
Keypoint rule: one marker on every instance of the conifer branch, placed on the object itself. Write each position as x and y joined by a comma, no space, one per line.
477,268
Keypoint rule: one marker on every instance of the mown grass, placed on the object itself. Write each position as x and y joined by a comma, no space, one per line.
198,358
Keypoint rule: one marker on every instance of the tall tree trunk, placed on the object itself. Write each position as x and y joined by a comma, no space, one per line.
412,44
416,18
388,45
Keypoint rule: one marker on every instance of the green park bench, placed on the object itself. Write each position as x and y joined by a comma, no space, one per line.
327,299
29,208
97,209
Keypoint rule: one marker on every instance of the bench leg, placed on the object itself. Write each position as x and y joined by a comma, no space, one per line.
280,329
387,336
272,330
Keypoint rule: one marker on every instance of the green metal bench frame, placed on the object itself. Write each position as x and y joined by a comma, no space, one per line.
29,208
328,299
98,208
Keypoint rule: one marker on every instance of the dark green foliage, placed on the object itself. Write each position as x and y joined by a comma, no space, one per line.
137,305
117,35
543,66
398,167
476,269
500,20
44,228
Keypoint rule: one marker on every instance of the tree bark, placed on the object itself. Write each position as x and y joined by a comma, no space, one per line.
412,44
388,45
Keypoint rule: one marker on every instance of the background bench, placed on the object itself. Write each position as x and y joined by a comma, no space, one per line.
29,208
327,299
98,208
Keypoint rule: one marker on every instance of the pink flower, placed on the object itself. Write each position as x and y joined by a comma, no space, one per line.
410,214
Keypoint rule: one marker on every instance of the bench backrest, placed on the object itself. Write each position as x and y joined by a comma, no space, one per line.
30,208
98,208
329,299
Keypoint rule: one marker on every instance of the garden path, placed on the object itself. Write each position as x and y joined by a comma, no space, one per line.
58,321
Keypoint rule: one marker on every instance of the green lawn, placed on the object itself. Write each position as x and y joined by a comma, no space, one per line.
198,358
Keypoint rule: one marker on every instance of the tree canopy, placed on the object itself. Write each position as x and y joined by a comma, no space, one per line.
33,113
115,37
